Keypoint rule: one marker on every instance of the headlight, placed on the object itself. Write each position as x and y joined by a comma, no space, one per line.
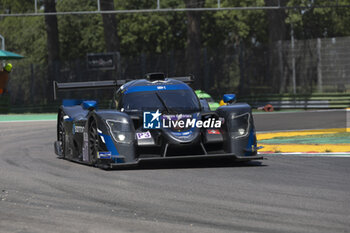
240,125
121,137
241,131
120,130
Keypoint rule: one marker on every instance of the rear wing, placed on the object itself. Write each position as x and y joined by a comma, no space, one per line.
85,85
161,76
186,79
94,85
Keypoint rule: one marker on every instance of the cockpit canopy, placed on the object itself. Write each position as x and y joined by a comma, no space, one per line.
172,97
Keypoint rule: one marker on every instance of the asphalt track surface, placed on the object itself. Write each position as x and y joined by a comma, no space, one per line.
40,193
322,119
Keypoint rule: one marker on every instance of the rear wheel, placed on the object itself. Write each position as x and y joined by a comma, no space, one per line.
61,134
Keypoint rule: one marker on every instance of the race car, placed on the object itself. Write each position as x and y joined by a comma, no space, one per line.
205,96
154,118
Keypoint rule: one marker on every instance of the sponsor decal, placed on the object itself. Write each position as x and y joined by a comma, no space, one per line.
161,87
151,120
85,147
156,88
101,61
104,155
79,129
155,120
213,131
182,135
143,135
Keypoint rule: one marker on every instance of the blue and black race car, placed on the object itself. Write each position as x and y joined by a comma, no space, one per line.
155,118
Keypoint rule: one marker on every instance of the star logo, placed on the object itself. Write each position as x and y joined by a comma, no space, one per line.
156,115
151,120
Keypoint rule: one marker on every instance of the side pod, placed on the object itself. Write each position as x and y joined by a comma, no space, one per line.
240,137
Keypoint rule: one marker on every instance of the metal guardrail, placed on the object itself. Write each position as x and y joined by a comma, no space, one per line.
5,107
299,101
277,101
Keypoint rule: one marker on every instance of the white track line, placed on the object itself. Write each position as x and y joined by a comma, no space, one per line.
296,130
312,111
308,111
299,154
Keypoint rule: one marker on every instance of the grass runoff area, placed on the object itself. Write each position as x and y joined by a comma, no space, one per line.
304,141
27,117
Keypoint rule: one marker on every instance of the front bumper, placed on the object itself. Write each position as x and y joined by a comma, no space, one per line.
181,158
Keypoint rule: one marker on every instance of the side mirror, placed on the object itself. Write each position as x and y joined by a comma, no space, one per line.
89,105
229,98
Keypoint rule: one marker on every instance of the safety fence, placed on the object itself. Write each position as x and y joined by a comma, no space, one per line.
309,66
315,101
278,102
304,74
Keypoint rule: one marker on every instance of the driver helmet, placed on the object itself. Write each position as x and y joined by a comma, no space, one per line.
222,103
8,67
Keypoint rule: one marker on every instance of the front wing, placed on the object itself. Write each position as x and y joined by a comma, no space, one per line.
108,166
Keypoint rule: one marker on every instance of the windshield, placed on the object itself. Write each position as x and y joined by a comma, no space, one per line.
171,101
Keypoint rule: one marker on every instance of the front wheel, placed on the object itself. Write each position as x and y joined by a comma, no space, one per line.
94,143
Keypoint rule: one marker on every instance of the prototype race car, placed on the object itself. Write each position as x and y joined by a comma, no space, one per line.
150,119
203,95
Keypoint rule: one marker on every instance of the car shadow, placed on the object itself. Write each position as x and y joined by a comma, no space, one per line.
193,164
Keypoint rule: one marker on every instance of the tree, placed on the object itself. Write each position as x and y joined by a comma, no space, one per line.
53,51
234,41
311,22
193,50
151,33
276,32
110,27
79,34
16,6
28,38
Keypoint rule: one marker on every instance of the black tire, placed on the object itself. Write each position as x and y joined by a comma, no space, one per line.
61,134
94,141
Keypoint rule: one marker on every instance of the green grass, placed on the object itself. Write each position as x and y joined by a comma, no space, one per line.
28,117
